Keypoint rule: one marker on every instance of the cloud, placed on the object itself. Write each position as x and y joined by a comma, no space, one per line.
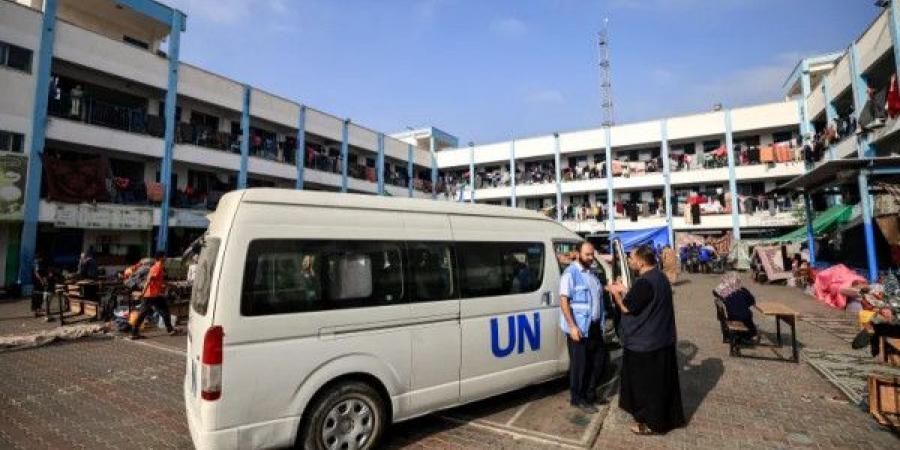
662,76
545,96
675,4
508,27
427,10
225,12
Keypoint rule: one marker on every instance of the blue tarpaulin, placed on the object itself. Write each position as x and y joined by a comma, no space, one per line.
636,238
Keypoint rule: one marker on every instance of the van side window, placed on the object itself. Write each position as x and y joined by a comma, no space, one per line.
288,276
431,271
500,268
206,263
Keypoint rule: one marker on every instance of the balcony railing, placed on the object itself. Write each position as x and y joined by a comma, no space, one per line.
87,109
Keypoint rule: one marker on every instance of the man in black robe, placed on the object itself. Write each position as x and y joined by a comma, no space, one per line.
650,389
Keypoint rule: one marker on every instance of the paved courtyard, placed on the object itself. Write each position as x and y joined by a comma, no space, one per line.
105,392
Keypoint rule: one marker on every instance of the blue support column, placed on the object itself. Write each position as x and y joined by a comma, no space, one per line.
895,33
610,203
667,177
245,138
732,178
471,172
859,86
806,127
830,113
300,154
165,172
810,231
379,164
410,170
556,164
32,205
866,206
345,153
512,173
434,170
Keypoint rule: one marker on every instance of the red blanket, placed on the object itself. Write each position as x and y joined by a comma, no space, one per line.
830,281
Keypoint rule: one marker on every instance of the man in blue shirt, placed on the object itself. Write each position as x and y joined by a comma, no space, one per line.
582,316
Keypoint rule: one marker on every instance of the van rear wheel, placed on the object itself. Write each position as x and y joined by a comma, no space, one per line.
348,416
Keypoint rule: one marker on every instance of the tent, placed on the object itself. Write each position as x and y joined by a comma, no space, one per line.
824,221
636,238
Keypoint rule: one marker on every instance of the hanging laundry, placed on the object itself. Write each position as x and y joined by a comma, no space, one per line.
893,98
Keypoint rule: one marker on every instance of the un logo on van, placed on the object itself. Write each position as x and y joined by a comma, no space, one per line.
518,330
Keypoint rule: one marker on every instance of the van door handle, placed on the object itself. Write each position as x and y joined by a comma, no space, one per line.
547,298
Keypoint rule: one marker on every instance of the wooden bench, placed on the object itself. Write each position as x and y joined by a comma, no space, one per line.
732,330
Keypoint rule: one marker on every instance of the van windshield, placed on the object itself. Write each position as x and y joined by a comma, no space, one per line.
203,278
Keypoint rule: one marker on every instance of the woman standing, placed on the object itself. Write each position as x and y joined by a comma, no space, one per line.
650,390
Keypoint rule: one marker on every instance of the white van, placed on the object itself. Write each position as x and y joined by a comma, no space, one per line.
318,318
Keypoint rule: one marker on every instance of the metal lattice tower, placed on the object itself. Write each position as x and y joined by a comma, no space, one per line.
605,76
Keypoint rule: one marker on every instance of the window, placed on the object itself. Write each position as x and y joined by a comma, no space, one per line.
203,279
288,276
500,268
11,142
15,57
711,145
135,42
782,136
431,271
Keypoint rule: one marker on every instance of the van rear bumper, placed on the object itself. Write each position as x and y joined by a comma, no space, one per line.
275,433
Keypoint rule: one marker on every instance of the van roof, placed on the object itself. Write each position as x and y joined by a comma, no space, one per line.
366,201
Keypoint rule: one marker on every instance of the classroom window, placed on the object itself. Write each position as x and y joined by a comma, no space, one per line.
11,142
15,57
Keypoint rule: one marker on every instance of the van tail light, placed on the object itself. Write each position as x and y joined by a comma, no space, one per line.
211,369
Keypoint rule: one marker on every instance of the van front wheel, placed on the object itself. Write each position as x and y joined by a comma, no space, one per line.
348,416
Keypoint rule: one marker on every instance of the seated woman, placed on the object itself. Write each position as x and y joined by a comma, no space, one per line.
738,301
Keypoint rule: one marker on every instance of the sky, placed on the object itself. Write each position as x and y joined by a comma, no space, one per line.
488,71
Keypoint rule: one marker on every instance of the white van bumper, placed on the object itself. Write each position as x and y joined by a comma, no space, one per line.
276,433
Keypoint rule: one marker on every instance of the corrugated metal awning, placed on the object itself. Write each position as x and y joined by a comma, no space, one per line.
839,172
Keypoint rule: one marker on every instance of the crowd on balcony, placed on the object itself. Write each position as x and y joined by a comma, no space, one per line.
691,205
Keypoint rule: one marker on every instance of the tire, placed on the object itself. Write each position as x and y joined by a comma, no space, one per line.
353,411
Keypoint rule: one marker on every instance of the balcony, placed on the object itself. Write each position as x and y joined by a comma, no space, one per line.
707,222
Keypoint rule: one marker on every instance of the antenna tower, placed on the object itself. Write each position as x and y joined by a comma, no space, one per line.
605,76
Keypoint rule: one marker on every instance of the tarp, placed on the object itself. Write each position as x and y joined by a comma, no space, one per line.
829,283
636,238
823,222
739,257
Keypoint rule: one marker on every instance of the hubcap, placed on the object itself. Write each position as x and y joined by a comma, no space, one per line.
348,425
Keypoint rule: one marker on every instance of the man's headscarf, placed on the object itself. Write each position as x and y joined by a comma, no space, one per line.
729,284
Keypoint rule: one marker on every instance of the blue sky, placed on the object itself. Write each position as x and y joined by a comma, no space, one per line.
493,70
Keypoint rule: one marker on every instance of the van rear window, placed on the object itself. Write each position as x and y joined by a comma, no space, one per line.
203,278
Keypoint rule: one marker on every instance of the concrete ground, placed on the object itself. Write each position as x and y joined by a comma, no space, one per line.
106,392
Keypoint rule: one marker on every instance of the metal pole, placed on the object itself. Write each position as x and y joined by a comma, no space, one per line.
379,164
866,206
732,178
810,231
512,172
610,205
301,147
558,174
471,172
434,170
345,153
410,182
165,172
32,206
895,33
667,178
245,138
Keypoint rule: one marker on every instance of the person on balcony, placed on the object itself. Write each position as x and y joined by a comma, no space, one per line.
76,95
